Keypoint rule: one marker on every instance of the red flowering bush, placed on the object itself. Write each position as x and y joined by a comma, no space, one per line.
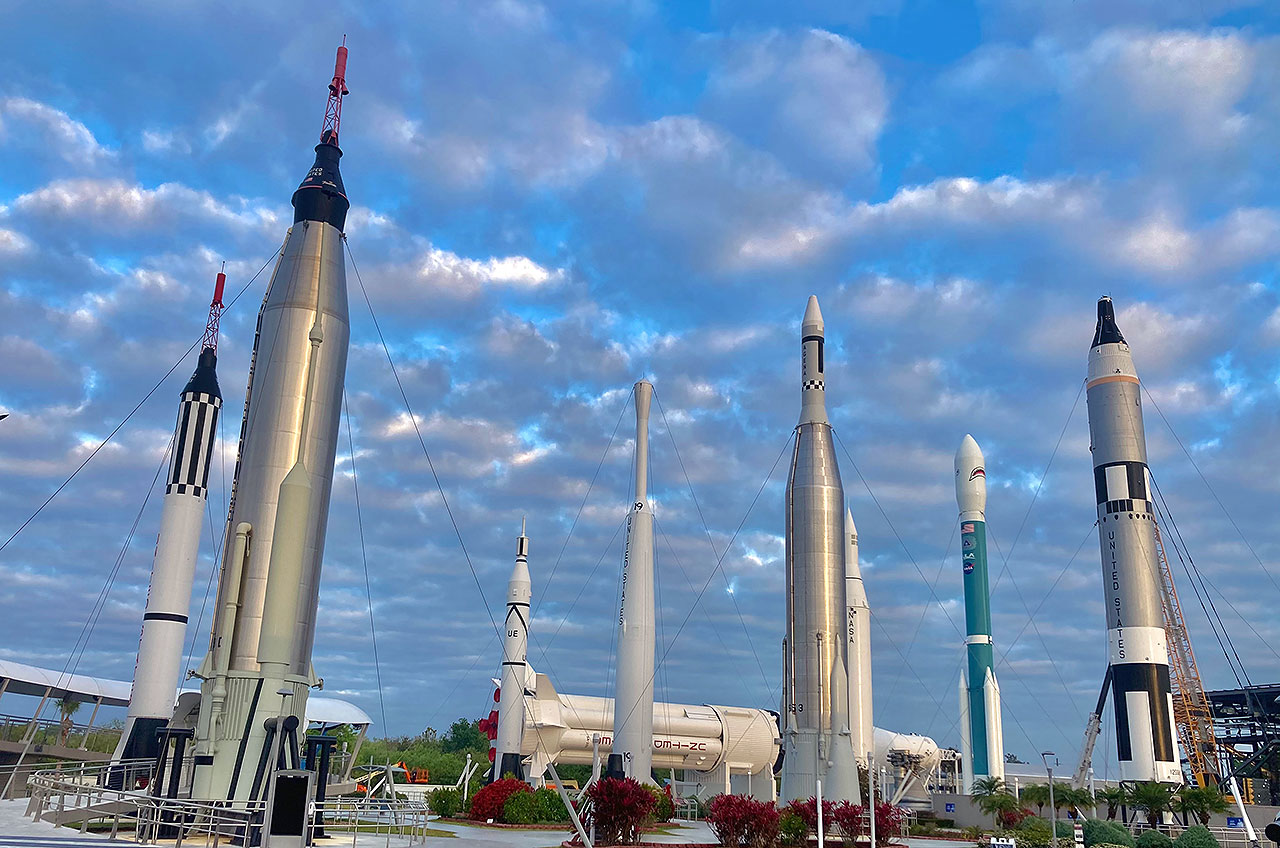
617,808
889,820
1010,819
808,812
489,801
743,822
852,821
664,806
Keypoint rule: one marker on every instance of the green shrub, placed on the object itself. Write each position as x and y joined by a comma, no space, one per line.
1066,829
1153,839
1100,832
520,808
445,802
664,807
792,831
1034,832
551,807
1112,845
491,800
1196,836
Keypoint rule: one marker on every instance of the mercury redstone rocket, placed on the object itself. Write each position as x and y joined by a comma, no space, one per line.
816,732
981,727
515,667
267,593
633,695
858,651
1138,652
164,623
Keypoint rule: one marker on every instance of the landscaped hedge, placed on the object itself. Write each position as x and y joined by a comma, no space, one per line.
743,822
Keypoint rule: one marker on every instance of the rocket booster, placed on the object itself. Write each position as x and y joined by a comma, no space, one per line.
858,650
1138,652
981,729
164,624
633,696
515,651
815,706
284,472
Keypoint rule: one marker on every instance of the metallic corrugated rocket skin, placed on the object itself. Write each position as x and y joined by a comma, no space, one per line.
515,668
816,731
983,739
164,624
858,649
1138,650
633,692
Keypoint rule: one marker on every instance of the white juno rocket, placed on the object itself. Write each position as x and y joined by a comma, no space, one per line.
164,623
859,647
515,667
816,731
1138,651
633,694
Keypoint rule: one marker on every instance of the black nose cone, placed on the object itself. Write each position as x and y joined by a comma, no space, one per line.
322,197
1106,332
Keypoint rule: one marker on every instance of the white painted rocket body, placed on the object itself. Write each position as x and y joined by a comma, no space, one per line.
164,623
515,667
859,647
633,695
1138,652
816,732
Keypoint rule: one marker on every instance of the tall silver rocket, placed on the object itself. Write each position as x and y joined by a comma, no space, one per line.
817,736
164,623
981,727
633,693
858,650
515,666
267,594
1138,652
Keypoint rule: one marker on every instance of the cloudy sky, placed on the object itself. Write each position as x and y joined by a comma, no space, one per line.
552,200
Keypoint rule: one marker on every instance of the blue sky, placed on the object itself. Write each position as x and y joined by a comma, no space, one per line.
554,200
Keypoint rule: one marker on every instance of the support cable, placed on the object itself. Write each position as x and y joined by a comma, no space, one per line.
364,561
127,418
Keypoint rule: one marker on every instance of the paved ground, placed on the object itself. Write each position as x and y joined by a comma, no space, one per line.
18,831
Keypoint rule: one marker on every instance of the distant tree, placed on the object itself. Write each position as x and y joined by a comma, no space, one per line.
984,786
464,735
1013,758
1154,799
1036,793
1114,797
1203,802
997,804
67,707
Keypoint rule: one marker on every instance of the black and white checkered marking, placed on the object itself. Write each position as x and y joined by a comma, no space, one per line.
1122,487
193,444
814,384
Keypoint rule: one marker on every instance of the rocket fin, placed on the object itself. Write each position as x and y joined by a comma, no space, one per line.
966,747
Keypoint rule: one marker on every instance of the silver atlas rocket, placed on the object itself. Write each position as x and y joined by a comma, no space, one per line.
981,728
267,594
1138,652
816,733
164,623
633,694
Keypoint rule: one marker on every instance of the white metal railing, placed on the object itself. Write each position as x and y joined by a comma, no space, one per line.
83,795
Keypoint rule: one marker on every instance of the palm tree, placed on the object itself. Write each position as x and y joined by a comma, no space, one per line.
1154,799
67,707
985,786
997,804
1114,797
1036,793
1200,801
1073,799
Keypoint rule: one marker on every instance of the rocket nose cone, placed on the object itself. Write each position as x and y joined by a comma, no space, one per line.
968,454
812,316
849,526
1106,331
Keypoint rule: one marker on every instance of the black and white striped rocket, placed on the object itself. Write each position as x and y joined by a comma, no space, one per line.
1138,652
164,624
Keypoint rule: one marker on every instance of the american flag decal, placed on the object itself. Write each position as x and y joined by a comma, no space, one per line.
966,528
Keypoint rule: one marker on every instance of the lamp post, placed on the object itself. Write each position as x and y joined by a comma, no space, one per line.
1053,811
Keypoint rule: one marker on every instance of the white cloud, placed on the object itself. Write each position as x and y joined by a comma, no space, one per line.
51,129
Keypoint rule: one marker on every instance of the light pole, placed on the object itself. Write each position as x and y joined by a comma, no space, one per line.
1053,811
